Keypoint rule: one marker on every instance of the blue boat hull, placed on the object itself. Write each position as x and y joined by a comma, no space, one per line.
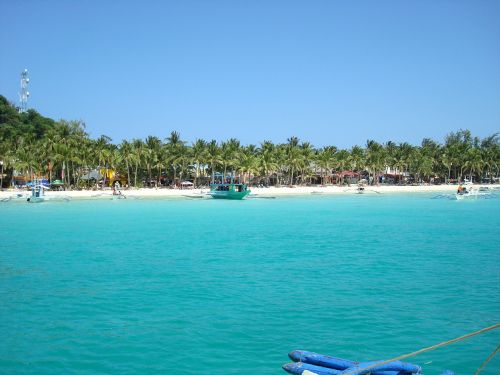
327,365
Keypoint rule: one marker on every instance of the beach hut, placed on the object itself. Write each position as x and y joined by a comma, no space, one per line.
347,177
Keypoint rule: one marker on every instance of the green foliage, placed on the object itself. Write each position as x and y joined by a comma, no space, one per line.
31,144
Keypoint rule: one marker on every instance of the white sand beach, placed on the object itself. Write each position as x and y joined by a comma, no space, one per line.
255,191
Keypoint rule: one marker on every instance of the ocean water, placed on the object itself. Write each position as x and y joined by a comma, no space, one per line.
230,287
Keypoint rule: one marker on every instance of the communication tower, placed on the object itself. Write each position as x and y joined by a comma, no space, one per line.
24,93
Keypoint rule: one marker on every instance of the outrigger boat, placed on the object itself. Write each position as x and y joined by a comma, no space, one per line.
466,191
228,191
37,192
361,188
117,194
309,363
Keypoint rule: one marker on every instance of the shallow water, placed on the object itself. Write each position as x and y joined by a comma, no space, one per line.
229,287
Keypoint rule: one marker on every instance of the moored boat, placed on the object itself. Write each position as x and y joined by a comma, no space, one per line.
228,191
309,363
466,191
37,192
321,364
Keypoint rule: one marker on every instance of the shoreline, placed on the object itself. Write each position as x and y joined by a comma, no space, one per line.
256,191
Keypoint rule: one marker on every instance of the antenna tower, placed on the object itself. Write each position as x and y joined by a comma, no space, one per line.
24,93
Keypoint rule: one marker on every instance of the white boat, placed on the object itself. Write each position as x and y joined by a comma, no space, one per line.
117,194
361,188
467,191
37,192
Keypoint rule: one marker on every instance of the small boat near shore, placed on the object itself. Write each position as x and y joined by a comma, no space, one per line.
467,191
17,196
228,191
37,192
117,194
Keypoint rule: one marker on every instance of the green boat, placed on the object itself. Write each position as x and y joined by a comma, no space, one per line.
229,191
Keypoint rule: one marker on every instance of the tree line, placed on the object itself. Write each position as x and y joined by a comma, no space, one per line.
32,145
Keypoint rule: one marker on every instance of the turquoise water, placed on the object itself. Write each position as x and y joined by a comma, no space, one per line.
229,287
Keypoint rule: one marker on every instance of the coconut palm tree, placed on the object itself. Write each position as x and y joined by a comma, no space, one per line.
213,155
358,158
136,157
293,156
103,154
474,163
125,149
176,148
151,153
280,155
184,161
375,158
431,151
391,151
199,157
307,154
229,154
342,161
325,161
267,160
161,162
490,147
248,161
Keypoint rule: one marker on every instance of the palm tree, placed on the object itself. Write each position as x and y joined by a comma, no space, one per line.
125,149
343,162
229,155
136,156
391,159
490,147
3,159
248,161
280,155
474,163
325,160
431,151
266,160
152,151
213,157
375,158
184,160
358,158
293,156
458,144
307,156
175,148
161,162
103,154
199,155
422,164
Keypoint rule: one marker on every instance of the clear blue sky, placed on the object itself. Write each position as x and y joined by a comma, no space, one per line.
330,72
